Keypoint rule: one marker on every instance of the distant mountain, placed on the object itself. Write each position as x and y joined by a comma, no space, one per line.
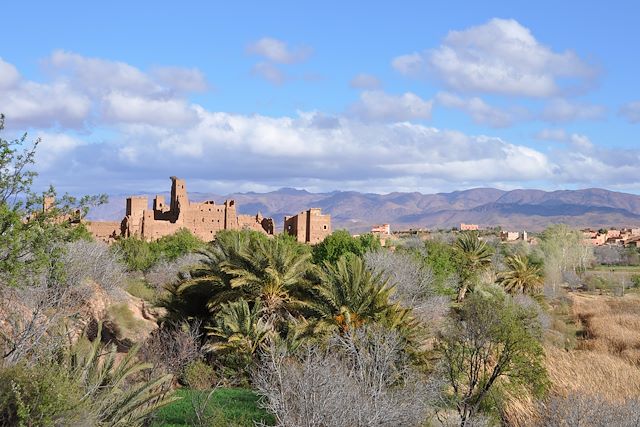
518,209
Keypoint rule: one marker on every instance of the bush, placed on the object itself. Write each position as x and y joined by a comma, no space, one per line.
140,255
199,375
361,379
340,243
135,252
42,395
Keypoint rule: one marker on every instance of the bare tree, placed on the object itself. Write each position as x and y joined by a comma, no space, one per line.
360,379
414,284
84,260
166,272
173,347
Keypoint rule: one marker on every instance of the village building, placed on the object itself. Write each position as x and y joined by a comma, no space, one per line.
512,236
469,227
203,219
310,226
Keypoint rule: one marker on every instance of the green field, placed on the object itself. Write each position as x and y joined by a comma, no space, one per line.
618,268
228,407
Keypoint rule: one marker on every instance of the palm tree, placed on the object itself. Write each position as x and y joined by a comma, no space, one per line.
244,265
239,328
348,296
272,271
111,392
521,275
475,256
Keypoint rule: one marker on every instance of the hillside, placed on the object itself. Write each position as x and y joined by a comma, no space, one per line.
517,209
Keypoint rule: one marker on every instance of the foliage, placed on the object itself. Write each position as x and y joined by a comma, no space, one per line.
239,407
140,255
238,334
135,252
109,388
494,343
140,289
31,239
443,260
42,395
199,375
241,264
340,243
521,276
348,296
564,250
475,256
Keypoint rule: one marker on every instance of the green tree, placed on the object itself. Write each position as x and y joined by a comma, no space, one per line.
521,275
493,343
182,242
475,256
563,250
340,243
348,296
245,265
30,238
238,333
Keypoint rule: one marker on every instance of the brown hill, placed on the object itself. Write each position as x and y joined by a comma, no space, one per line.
517,209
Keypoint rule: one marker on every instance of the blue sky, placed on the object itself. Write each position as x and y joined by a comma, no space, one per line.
370,96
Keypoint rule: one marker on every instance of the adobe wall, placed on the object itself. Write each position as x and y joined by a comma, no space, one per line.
310,226
104,231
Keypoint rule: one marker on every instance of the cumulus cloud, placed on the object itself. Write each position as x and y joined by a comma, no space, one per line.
480,111
277,51
380,106
631,112
85,89
138,128
500,57
184,80
27,103
121,108
562,110
574,140
365,81
269,72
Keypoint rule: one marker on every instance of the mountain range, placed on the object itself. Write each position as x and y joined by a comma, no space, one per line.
530,210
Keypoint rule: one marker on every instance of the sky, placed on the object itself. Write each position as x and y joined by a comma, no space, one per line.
333,95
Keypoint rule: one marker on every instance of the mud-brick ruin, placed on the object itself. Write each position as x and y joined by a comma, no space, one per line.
203,219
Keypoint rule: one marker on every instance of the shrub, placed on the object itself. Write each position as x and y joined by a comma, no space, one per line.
199,375
361,379
340,243
135,252
42,395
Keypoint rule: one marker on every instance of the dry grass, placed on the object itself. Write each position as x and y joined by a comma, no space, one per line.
605,363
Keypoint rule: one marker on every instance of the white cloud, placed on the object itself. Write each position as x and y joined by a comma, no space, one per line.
552,135
121,108
277,51
561,110
500,57
365,81
185,80
410,65
631,112
139,128
9,75
379,106
480,111
269,72
575,141
53,147
94,89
